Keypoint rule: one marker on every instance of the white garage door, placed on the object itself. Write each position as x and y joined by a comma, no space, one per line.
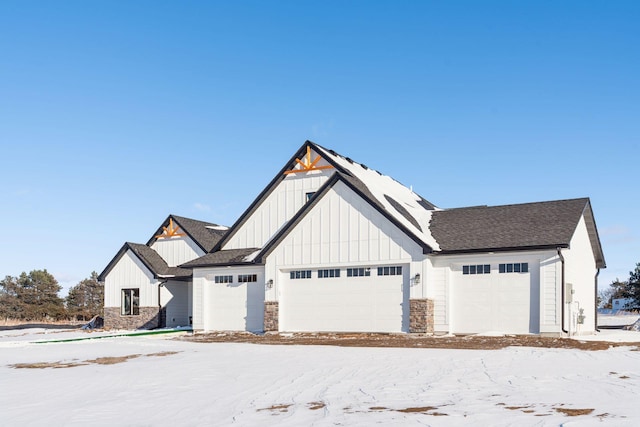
346,304
494,302
234,307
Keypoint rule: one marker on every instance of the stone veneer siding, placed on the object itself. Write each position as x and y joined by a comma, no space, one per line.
421,316
149,318
270,316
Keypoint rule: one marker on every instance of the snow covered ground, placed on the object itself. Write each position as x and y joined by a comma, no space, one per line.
157,381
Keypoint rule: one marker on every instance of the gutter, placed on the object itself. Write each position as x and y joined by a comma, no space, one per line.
160,285
595,312
562,291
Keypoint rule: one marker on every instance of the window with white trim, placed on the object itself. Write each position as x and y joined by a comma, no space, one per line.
390,271
516,267
223,279
246,278
328,273
300,274
130,302
476,269
358,272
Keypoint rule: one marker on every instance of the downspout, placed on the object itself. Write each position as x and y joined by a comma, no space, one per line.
562,290
595,315
160,285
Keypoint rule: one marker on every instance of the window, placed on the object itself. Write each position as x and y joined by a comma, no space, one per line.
130,302
390,271
476,269
308,196
518,267
300,274
358,272
334,272
244,278
223,279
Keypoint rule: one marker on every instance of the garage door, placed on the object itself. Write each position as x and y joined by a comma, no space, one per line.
346,304
234,307
492,302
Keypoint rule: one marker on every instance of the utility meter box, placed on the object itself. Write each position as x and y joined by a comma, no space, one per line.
568,293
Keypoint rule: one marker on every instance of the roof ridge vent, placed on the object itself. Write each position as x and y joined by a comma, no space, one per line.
348,159
364,167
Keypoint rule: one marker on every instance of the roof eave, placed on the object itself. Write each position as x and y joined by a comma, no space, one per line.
501,249
594,237
225,264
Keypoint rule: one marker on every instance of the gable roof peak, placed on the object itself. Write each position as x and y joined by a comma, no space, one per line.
203,233
150,259
409,208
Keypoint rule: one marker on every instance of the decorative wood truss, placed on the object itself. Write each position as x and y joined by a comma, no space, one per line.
308,165
171,231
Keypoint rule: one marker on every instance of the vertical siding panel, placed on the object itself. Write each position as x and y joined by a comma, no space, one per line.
278,208
307,241
177,250
351,237
198,301
549,293
344,231
334,225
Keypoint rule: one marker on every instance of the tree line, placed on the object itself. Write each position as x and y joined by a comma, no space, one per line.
35,297
629,288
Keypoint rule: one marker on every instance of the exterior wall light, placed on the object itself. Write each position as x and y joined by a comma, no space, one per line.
416,279
269,284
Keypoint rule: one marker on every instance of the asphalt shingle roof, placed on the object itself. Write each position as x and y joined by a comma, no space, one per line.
541,224
224,257
155,263
200,231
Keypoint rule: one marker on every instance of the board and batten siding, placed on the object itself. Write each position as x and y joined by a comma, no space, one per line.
198,300
550,278
278,208
438,290
130,273
342,230
177,250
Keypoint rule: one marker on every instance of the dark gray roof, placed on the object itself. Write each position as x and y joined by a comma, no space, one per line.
199,231
151,259
224,257
528,225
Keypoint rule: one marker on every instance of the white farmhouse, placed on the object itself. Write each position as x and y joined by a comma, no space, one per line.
332,245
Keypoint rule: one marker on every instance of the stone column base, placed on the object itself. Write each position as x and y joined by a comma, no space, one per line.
270,316
421,316
149,318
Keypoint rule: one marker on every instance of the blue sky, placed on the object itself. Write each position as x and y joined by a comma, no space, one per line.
115,114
